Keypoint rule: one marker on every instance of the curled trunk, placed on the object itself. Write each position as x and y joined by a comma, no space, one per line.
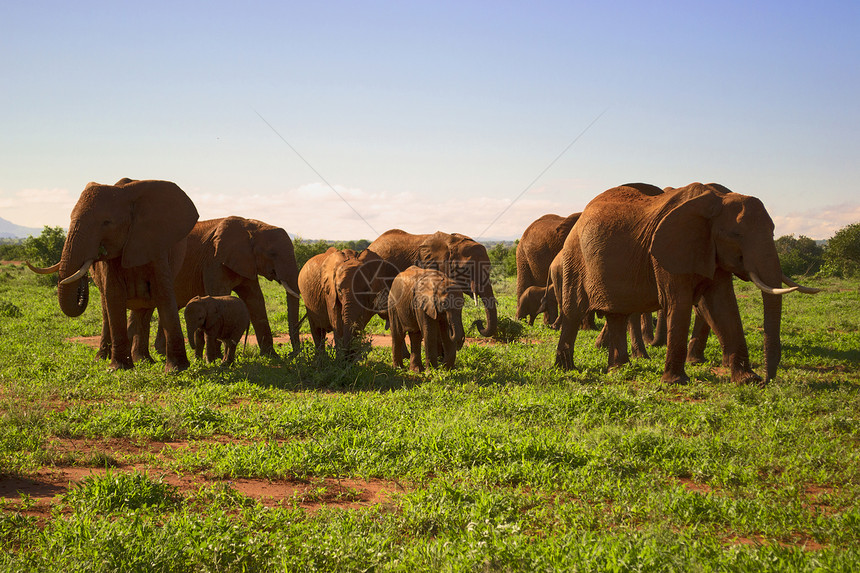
491,313
74,297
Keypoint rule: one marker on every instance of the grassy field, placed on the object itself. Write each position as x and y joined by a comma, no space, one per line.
503,464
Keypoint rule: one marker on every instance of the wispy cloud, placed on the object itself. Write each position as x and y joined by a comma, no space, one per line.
817,223
315,211
38,207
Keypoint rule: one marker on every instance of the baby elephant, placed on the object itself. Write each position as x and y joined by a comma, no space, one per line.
425,303
536,300
220,319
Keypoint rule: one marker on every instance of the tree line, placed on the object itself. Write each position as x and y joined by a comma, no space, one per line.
799,256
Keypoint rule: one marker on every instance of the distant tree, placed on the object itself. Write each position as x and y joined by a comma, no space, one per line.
842,255
800,256
504,258
306,249
11,249
45,250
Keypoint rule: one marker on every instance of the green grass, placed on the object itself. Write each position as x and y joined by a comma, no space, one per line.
504,463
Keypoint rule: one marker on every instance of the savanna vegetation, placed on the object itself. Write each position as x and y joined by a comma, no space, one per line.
505,463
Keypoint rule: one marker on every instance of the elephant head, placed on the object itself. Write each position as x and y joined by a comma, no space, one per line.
708,230
442,299
200,313
250,248
352,284
135,223
464,261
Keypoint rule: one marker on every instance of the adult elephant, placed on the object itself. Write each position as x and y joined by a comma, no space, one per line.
227,255
636,250
132,231
461,258
341,290
538,246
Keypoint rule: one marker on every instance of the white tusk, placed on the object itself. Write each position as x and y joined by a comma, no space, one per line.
800,288
44,271
475,298
81,272
764,288
289,290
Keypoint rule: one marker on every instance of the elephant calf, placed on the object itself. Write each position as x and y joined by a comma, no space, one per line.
536,300
216,318
425,303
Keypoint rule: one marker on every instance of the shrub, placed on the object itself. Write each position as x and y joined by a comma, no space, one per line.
842,256
45,250
800,256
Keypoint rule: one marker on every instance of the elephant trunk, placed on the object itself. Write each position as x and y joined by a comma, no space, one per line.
74,296
772,345
455,327
492,316
78,255
768,282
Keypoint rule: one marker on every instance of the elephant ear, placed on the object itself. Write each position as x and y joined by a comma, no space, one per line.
161,216
426,303
234,247
683,241
435,252
330,267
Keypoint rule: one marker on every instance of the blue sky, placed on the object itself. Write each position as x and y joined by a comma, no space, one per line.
433,115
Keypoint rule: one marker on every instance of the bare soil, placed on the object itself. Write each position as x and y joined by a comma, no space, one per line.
45,487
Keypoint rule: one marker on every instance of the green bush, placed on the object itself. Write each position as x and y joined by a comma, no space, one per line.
45,250
842,256
800,256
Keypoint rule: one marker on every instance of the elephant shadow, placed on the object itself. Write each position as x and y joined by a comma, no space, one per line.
309,370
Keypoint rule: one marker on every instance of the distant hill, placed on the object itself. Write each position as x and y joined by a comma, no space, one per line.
8,229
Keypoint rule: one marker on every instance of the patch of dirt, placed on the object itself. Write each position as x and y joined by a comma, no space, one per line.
693,486
37,493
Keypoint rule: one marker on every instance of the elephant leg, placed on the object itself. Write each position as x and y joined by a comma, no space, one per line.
602,340
647,326
117,320
104,351
415,363
229,353
138,330
567,340
397,343
678,326
199,343
726,322
213,348
698,339
588,321
660,329
252,295
617,328
431,342
637,343
168,313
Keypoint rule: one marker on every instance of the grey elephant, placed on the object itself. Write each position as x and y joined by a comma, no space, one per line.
637,248
213,319
425,304
342,290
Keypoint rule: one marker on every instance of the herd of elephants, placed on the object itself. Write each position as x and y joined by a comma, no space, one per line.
633,250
